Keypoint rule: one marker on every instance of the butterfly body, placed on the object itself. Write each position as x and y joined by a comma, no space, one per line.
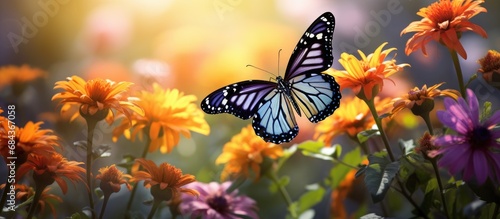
303,88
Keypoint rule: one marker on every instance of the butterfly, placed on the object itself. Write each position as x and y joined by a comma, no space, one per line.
303,88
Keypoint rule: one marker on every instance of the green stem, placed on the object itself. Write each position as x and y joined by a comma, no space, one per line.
378,121
34,203
272,175
440,184
91,123
427,120
156,204
134,190
458,69
104,204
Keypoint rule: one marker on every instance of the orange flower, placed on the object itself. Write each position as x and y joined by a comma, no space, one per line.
421,100
29,139
166,181
444,21
167,115
366,76
95,98
111,179
246,150
50,168
352,117
490,68
15,75
24,192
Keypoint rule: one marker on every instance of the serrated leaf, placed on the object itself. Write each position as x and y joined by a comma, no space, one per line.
361,171
379,175
363,136
408,146
339,171
309,199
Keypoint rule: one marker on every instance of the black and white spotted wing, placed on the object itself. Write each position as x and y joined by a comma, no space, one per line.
303,88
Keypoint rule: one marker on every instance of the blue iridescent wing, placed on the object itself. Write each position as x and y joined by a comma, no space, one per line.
313,52
240,99
317,95
274,120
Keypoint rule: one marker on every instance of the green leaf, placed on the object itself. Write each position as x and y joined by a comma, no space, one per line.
367,134
292,209
408,146
486,112
339,171
98,192
379,175
318,150
310,198
283,181
361,171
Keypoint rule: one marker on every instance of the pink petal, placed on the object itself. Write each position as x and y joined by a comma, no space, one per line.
448,140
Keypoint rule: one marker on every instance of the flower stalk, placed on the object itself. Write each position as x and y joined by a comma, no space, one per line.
458,69
91,124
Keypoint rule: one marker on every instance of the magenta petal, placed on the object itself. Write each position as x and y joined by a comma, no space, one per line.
473,106
453,122
480,166
460,115
448,140
454,158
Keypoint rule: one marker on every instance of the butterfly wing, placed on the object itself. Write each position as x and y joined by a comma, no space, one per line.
317,95
240,99
313,52
274,120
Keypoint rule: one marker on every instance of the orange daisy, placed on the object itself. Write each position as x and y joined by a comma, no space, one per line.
246,150
422,100
366,76
11,75
165,181
444,21
490,68
29,139
352,117
95,98
50,168
111,179
167,114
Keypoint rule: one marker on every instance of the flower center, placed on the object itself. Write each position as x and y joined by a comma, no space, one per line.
441,13
480,137
218,203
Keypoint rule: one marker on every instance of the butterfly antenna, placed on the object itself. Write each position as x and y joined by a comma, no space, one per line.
261,69
279,52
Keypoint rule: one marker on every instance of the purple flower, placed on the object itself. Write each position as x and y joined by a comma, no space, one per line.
214,202
474,150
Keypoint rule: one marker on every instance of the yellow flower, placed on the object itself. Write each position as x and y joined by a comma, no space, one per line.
167,114
15,75
366,76
352,117
166,181
246,150
111,179
95,98
490,68
422,100
50,168
444,21
28,139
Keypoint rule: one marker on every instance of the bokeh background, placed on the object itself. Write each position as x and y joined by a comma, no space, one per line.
197,46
